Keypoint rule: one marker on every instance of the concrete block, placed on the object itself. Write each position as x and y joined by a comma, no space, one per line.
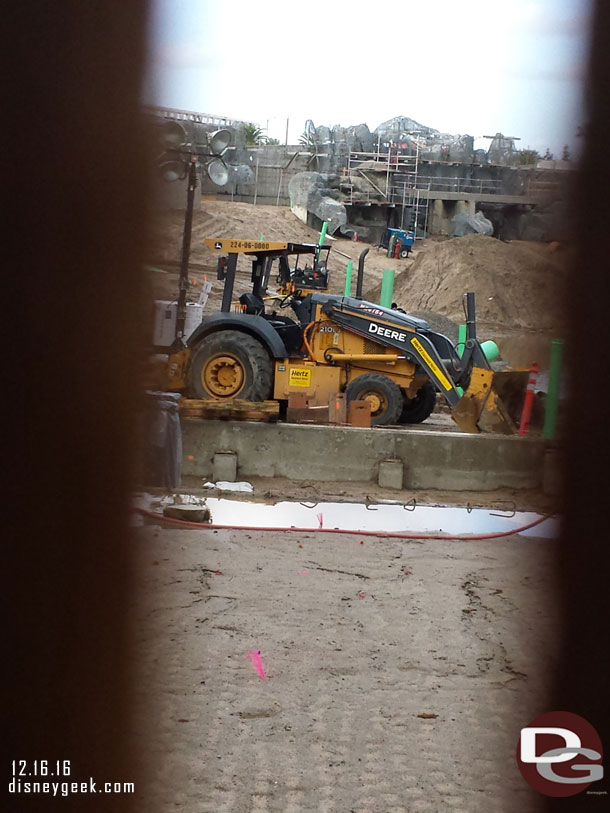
437,460
225,467
188,513
391,474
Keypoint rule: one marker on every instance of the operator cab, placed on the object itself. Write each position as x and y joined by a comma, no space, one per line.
291,332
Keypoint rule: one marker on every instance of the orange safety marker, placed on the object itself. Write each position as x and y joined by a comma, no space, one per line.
526,413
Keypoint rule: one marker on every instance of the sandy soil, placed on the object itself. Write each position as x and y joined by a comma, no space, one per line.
357,640
517,284
243,220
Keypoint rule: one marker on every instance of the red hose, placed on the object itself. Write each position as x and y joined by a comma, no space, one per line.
382,534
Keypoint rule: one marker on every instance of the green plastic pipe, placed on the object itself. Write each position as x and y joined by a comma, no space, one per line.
552,398
491,351
348,279
323,233
461,345
387,288
461,342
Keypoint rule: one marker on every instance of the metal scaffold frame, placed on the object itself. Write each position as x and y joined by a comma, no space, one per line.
409,193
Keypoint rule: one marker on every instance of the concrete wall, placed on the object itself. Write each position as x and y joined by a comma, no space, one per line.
276,166
442,212
432,460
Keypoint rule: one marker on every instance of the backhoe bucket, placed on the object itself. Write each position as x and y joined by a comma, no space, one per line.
492,402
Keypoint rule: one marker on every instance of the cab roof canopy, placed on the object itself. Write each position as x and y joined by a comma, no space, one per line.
260,247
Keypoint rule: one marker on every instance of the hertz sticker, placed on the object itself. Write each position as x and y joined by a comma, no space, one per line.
299,377
442,378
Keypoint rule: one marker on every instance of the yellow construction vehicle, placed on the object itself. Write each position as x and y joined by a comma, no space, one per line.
331,344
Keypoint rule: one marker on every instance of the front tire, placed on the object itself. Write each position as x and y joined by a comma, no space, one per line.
230,364
384,395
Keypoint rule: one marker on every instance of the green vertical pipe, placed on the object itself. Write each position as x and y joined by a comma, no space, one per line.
461,346
552,398
348,279
461,342
323,233
387,288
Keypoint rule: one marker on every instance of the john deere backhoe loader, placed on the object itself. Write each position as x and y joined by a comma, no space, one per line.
330,344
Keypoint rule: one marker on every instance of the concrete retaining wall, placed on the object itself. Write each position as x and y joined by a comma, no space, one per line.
441,460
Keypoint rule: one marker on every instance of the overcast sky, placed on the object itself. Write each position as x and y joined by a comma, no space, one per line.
475,66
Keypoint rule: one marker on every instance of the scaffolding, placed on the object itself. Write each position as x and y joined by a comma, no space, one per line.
394,179
402,185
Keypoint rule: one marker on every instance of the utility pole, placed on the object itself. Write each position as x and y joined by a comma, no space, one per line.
179,342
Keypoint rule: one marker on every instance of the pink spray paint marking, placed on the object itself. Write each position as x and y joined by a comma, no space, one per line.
320,520
257,663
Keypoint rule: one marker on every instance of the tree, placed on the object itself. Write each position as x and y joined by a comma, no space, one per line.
528,157
273,141
254,135
565,155
548,155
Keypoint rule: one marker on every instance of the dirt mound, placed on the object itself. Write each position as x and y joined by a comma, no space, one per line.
438,323
517,284
243,220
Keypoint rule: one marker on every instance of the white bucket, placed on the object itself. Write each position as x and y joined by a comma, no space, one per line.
165,321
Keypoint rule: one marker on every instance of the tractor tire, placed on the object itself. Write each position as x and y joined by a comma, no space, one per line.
416,410
385,397
404,253
230,364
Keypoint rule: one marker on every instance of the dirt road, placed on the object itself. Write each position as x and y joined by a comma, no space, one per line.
357,640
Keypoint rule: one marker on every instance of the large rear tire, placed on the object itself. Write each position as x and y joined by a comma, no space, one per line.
384,395
230,364
416,410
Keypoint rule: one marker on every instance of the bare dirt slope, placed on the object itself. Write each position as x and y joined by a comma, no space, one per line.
357,641
245,221
517,284
520,290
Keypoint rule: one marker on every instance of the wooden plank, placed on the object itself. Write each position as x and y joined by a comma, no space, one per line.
229,410
311,415
298,400
235,405
359,414
337,408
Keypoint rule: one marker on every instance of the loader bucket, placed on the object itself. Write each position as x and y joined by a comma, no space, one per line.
492,402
